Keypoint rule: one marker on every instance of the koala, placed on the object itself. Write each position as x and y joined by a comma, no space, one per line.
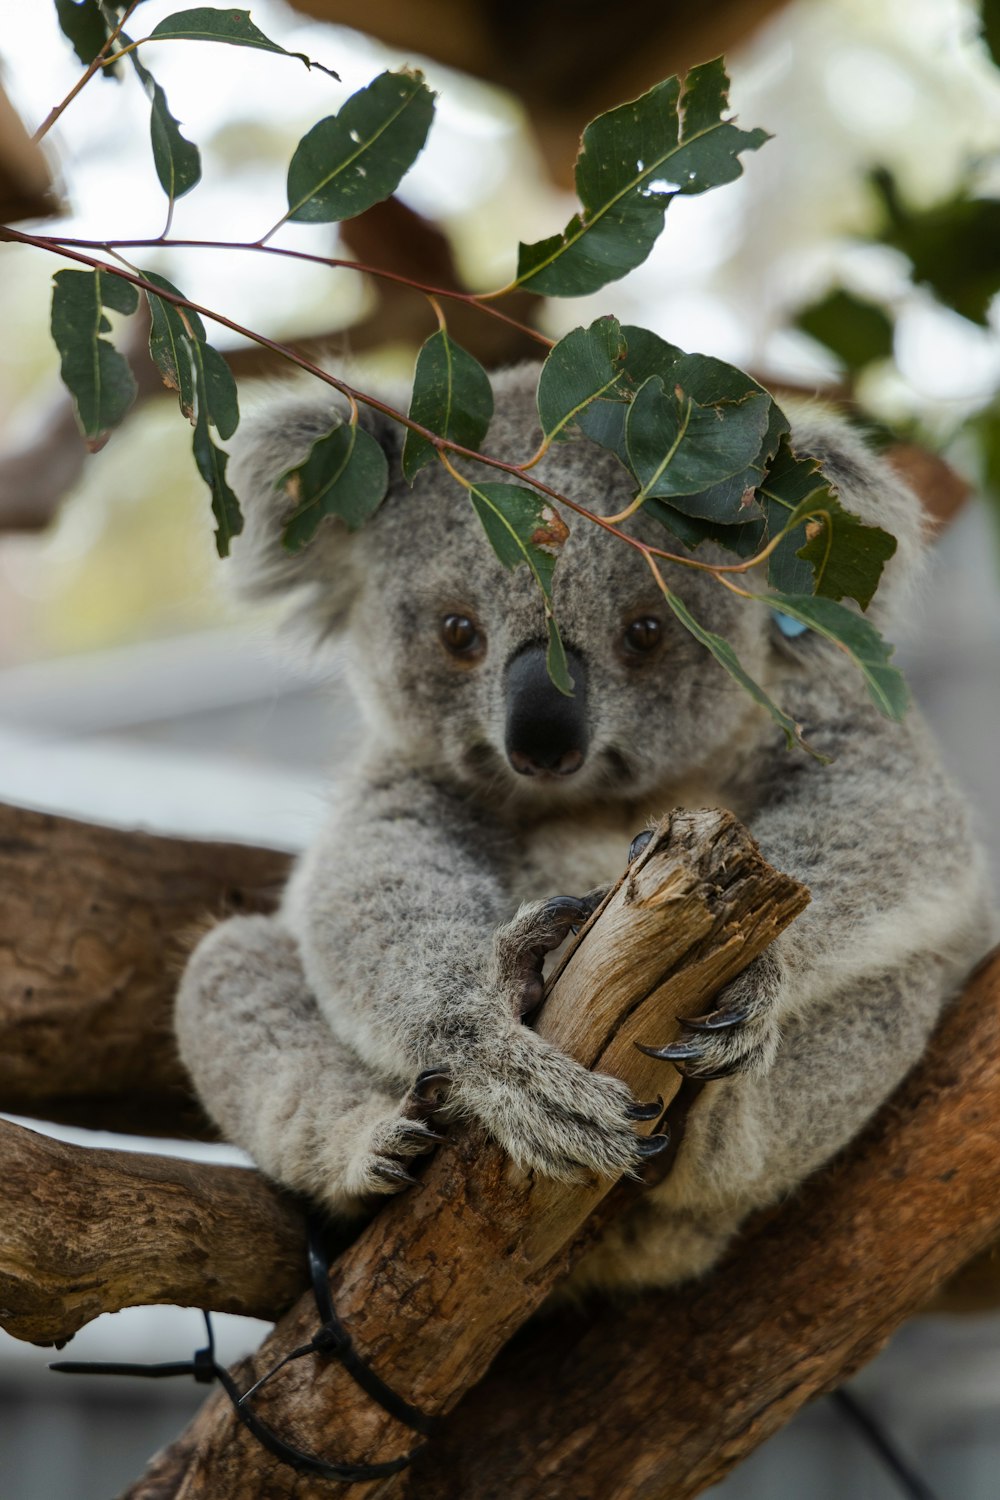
409,942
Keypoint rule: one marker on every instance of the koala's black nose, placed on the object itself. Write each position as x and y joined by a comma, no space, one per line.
546,731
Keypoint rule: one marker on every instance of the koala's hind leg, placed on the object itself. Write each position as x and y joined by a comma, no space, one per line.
277,1081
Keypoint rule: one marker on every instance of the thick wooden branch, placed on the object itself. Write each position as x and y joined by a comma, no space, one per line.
659,1398
93,931
443,1278
84,1232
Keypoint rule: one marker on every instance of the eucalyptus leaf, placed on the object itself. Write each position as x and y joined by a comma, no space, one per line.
98,378
83,24
206,24
951,246
632,162
177,160
583,367
727,658
170,334
452,396
522,527
678,448
555,656
345,474
858,638
212,463
855,330
353,159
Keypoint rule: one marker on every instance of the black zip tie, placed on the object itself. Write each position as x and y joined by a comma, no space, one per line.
878,1439
331,1340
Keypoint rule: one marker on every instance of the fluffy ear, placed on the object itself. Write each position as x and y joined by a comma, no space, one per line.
869,486
325,575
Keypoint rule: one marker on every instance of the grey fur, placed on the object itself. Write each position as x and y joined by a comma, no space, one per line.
400,943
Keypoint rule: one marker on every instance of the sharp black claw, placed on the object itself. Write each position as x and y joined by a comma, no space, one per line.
676,1052
391,1171
429,1082
652,1145
645,1111
715,1020
575,907
638,844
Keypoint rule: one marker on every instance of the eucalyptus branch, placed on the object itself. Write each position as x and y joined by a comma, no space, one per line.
164,242
97,63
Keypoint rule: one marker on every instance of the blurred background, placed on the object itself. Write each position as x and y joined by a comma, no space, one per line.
858,255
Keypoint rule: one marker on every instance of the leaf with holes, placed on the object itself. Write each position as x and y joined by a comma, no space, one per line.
354,159
727,658
345,474
634,159
858,638
584,367
828,550
452,396
677,448
97,376
206,24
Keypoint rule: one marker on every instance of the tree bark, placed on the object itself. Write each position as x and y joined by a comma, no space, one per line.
442,1278
94,928
84,1232
659,1398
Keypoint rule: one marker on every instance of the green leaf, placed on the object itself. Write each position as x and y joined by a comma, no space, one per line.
582,368
177,161
452,396
856,331
743,539
82,23
678,448
829,550
211,463
523,528
952,246
726,657
345,474
97,376
861,641
357,157
206,24
990,15
206,392
633,160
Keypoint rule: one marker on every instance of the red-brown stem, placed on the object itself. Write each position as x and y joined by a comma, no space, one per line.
93,67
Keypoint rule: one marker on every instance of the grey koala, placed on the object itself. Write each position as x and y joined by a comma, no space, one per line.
411,935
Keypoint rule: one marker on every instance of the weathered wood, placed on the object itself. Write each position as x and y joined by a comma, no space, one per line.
85,1231
94,926
443,1277
657,1399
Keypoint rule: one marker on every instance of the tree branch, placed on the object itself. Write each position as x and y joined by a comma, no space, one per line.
439,1282
84,1232
663,1396
94,927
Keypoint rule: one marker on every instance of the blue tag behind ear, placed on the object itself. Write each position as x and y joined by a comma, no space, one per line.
788,627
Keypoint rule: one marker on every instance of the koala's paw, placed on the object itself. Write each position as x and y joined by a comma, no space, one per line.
553,1116
522,945
388,1149
742,1033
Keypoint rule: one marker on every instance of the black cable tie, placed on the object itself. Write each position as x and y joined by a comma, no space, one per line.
333,1339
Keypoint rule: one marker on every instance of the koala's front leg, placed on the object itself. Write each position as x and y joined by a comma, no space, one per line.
277,1081
404,918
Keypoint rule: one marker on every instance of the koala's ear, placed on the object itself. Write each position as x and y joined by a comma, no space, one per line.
326,574
869,486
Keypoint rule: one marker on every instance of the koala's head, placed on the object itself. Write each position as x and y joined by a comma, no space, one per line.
447,649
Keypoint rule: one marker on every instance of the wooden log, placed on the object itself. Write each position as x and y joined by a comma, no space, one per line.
658,1398
94,927
443,1277
85,1231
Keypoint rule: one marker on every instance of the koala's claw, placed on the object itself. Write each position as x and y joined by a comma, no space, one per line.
638,844
395,1175
651,1111
652,1145
716,1020
535,933
429,1092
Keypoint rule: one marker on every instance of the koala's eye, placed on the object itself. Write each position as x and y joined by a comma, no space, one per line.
460,635
643,634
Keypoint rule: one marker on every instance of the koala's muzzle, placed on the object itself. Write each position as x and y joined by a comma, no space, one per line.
546,731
